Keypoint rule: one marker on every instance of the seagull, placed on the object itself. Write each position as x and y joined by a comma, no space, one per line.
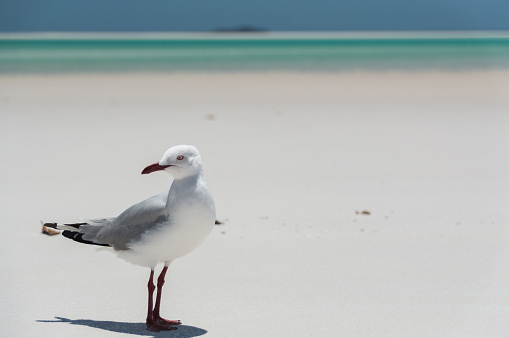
159,229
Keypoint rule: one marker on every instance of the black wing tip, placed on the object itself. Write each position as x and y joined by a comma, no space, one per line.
78,237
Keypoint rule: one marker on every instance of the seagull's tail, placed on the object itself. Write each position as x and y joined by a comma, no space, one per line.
65,226
79,232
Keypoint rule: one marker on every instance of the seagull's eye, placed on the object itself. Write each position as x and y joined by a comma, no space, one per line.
180,157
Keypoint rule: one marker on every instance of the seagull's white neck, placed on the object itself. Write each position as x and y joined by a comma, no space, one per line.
185,188
187,182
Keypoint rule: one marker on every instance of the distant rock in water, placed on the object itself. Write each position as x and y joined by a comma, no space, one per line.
240,29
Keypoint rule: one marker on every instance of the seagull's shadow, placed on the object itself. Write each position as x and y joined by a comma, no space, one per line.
131,328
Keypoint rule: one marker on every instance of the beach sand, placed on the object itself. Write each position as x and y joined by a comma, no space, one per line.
292,159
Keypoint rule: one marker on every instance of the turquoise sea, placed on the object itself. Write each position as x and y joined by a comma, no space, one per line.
246,52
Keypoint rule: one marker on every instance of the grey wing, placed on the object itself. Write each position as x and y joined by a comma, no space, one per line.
133,222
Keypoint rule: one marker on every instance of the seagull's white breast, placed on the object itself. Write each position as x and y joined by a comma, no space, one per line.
191,219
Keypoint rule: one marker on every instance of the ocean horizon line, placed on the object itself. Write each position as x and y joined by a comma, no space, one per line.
256,35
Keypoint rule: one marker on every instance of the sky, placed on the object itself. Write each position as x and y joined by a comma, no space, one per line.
273,15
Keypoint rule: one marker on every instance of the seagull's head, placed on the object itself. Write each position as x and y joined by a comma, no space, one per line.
180,161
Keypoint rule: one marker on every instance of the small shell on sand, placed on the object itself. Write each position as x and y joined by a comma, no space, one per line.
49,231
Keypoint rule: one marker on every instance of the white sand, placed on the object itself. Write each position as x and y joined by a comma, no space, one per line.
290,158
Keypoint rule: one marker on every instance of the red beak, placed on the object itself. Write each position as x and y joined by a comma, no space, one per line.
153,167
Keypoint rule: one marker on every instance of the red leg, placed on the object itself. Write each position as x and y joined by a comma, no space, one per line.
157,317
152,323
